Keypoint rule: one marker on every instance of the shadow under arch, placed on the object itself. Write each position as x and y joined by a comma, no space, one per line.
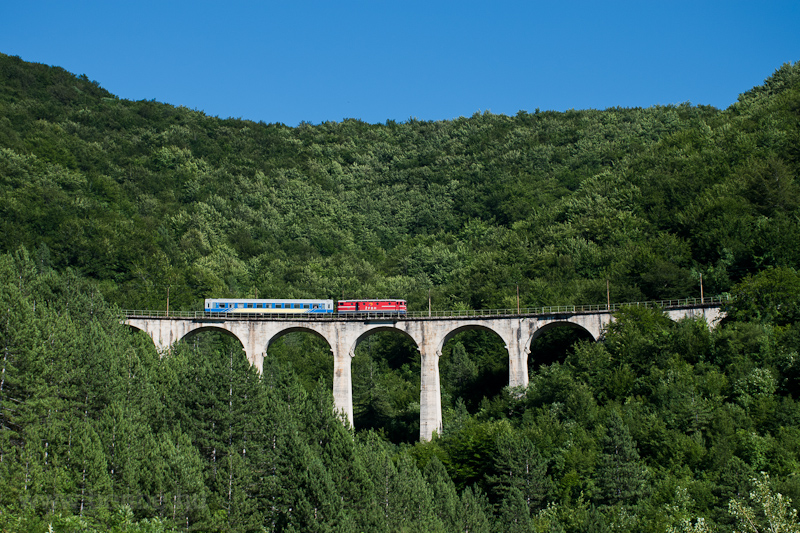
297,329
383,329
474,366
465,328
386,378
209,329
551,343
303,351
187,336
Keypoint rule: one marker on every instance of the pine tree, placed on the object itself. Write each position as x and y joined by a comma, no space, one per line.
621,477
410,504
518,464
474,512
377,457
183,496
514,516
18,376
343,460
446,503
89,467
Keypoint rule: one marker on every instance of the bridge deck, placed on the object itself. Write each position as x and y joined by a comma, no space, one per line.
482,314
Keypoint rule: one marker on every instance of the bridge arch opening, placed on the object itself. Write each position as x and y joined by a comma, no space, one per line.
553,342
142,340
303,352
473,368
386,384
205,333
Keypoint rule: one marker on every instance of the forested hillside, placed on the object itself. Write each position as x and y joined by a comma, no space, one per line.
107,204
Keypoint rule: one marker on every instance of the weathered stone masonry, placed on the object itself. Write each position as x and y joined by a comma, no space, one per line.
429,334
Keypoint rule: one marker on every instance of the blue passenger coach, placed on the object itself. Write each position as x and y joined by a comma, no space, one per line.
268,306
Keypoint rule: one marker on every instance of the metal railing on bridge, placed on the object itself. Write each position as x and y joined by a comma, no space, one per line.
710,301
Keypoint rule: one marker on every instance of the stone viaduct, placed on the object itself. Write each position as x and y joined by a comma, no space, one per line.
430,334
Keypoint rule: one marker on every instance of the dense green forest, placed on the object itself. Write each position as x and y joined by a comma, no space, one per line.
108,204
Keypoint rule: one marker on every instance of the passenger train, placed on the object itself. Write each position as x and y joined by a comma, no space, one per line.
262,306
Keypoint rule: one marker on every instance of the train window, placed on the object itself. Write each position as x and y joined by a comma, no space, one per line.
306,306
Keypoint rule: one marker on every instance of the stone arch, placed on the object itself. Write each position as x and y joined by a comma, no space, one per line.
404,350
205,329
133,327
558,324
468,327
140,329
380,329
550,326
297,329
492,374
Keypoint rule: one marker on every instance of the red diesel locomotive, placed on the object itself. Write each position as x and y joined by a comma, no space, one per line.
371,306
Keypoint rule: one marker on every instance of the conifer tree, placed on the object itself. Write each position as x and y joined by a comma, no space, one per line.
475,512
88,465
183,496
621,477
514,515
518,464
344,461
377,457
411,499
446,503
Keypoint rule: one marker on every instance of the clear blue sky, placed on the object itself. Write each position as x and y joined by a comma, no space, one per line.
315,61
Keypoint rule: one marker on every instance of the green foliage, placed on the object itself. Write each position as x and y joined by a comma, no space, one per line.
773,511
658,426
621,477
771,296
145,196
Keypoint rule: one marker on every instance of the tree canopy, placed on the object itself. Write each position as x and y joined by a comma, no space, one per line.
660,426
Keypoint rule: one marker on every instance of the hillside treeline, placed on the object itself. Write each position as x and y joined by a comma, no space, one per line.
663,426
143,196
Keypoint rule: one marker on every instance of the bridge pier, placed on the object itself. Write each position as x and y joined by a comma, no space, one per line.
430,395
343,379
518,344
